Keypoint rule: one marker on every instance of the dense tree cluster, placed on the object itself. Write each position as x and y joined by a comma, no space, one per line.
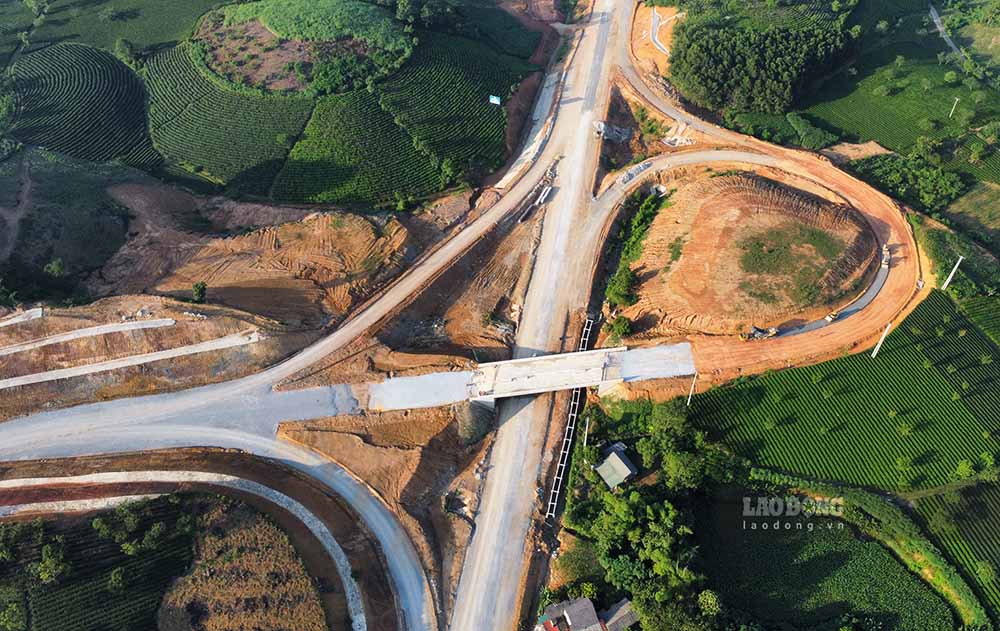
915,179
642,533
721,66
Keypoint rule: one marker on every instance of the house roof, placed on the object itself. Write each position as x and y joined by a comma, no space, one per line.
616,468
619,616
579,614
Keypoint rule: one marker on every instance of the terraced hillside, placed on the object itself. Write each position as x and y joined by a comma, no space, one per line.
83,102
352,151
227,137
441,97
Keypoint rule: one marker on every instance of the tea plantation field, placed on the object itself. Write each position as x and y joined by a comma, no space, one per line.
83,102
966,524
810,578
905,419
440,97
352,151
100,23
221,135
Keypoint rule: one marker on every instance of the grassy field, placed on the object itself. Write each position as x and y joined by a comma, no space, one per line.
15,18
326,20
83,102
71,218
227,137
810,579
145,23
352,151
966,524
978,213
440,97
500,28
903,420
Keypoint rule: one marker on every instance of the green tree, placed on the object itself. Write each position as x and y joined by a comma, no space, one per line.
55,268
116,580
53,565
13,618
951,77
986,572
620,327
199,291
709,603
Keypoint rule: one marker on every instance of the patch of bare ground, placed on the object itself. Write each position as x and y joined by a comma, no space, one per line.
248,53
649,56
304,273
469,313
194,324
844,152
423,464
691,272
636,132
359,545
246,575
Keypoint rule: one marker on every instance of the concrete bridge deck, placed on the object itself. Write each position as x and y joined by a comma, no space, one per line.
603,367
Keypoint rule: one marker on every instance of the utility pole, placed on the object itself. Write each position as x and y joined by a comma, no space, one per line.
953,107
878,346
691,393
952,275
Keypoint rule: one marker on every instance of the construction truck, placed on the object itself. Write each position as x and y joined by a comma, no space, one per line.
886,257
756,333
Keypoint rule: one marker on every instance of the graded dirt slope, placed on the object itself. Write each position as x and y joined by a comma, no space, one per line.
303,273
193,324
423,464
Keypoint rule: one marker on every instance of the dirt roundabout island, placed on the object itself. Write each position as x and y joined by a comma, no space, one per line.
735,249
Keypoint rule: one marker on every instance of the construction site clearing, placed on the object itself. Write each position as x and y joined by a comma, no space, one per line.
113,330
634,132
692,272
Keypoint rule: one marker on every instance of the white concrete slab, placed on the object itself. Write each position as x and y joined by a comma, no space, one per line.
658,362
423,391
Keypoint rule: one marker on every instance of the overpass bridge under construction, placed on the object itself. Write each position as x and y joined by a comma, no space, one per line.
605,368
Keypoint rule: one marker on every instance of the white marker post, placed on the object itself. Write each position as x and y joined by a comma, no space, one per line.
952,275
691,393
884,335
953,107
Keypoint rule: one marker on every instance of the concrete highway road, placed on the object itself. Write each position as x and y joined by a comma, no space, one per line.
243,414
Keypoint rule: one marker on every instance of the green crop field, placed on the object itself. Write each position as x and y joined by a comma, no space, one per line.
15,18
228,137
809,579
441,98
966,524
850,103
500,28
905,419
81,597
352,151
985,312
71,217
145,23
82,102
762,14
